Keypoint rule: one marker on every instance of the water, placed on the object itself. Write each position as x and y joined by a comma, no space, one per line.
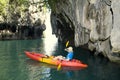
14,65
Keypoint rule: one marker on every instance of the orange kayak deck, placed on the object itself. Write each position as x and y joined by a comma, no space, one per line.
40,57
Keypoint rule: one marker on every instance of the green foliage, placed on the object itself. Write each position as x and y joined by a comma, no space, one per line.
52,4
9,6
12,10
3,6
19,2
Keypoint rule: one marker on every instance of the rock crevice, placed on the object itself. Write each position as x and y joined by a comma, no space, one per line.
91,22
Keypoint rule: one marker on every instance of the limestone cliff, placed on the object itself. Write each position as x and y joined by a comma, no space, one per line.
22,19
91,22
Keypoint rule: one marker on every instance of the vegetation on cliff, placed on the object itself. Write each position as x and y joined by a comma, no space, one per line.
22,18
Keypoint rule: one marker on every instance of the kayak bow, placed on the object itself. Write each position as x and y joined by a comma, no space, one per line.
41,57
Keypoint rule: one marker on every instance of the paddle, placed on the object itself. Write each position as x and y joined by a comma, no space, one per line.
67,43
59,66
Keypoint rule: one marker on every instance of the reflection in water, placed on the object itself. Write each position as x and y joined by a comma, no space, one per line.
42,71
38,71
49,46
11,63
14,65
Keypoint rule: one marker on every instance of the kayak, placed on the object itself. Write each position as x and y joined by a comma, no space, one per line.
64,68
50,60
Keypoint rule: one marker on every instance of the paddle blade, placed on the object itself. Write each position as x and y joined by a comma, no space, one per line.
67,43
59,67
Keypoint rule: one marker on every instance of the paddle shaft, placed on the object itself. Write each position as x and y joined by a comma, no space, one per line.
59,65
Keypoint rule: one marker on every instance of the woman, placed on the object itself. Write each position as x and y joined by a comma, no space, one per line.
69,55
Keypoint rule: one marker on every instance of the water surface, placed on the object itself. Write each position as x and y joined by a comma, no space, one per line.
14,65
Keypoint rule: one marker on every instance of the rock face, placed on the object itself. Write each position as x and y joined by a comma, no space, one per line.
91,22
22,19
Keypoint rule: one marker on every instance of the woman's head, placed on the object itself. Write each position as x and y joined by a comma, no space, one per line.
70,49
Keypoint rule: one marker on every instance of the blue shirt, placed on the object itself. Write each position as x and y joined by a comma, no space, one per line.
70,55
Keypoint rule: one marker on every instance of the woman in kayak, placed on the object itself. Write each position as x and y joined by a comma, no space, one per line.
69,55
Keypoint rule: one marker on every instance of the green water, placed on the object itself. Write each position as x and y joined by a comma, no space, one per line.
14,65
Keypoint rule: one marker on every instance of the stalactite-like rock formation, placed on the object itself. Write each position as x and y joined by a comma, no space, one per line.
91,22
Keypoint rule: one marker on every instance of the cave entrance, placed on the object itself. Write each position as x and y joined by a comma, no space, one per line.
62,27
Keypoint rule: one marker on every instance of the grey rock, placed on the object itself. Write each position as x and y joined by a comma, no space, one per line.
93,22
